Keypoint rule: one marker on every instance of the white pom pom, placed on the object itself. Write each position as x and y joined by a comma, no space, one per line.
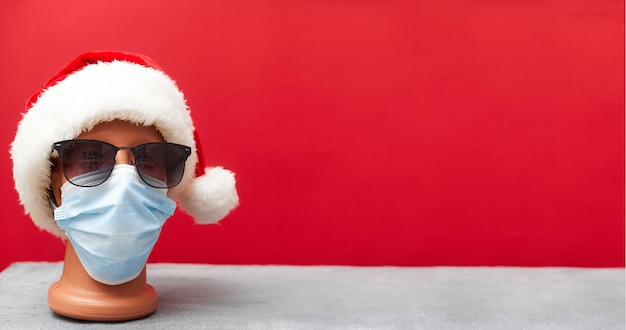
211,196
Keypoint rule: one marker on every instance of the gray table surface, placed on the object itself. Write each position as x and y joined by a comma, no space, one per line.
331,297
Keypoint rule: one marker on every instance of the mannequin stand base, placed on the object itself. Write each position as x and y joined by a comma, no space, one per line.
89,307
78,296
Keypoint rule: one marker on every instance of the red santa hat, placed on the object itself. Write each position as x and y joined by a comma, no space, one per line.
99,87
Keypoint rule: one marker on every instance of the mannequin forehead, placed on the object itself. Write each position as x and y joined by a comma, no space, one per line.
122,133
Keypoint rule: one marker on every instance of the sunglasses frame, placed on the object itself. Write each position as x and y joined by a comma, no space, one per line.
185,153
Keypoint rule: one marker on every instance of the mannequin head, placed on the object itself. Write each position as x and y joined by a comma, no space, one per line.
128,300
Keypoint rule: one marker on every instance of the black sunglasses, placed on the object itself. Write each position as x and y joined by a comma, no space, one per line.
88,163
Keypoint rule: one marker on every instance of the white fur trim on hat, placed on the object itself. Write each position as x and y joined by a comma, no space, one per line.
102,91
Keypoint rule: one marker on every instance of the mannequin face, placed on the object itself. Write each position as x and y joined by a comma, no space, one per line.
119,133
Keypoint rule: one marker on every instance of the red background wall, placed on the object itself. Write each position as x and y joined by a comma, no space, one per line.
366,132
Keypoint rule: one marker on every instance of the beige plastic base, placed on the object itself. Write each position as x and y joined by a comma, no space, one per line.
78,296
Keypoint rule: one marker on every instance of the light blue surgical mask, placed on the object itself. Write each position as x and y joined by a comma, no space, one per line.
114,226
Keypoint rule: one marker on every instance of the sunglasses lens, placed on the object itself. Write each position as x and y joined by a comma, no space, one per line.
161,164
87,163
